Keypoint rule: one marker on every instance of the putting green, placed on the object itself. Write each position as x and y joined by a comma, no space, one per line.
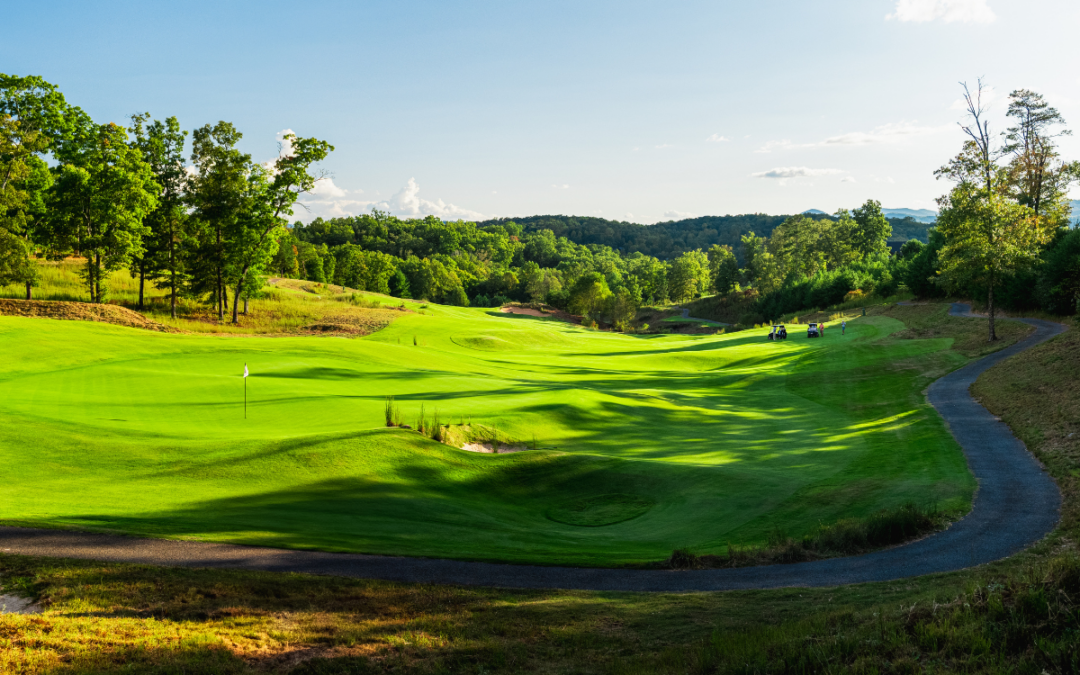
659,442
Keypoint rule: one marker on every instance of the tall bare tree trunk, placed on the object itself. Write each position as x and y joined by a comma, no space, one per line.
220,287
172,277
90,275
142,282
29,293
993,334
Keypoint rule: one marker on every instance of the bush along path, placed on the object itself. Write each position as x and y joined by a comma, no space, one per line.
1016,505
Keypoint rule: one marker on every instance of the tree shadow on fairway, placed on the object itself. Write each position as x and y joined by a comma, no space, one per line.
496,511
702,343
323,373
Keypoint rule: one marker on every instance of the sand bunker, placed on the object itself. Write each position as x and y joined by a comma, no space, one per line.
524,310
486,447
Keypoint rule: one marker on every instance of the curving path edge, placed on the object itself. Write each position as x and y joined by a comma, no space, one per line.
1017,504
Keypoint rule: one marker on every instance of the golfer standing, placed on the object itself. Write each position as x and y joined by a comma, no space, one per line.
843,327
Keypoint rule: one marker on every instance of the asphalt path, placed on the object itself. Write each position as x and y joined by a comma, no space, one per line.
1016,505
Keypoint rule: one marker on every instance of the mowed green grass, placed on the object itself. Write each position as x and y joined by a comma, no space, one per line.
655,442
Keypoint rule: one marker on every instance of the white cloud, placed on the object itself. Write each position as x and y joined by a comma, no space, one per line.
886,133
794,172
964,11
663,145
328,200
776,145
847,179
285,144
564,186
407,203
325,188
717,138
986,97
679,215
894,132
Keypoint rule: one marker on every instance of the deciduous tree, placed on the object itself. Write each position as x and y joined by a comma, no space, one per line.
270,197
102,193
162,146
723,269
987,232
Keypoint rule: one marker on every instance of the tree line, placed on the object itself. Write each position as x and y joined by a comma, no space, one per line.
124,197
212,225
1003,231
670,239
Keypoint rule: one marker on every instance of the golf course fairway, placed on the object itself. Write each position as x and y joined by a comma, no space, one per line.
648,443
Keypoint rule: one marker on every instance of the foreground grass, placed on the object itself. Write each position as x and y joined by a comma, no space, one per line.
104,618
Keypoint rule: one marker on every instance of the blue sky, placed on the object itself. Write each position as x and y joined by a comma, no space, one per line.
642,111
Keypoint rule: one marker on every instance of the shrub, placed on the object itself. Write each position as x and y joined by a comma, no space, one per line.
854,295
393,414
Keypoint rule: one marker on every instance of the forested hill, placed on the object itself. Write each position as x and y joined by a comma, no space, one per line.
667,240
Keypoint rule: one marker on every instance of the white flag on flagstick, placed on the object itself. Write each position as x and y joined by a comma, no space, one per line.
245,370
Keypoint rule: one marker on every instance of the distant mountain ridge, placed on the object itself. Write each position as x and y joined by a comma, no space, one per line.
918,215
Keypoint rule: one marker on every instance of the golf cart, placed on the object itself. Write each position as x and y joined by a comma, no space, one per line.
778,333
812,331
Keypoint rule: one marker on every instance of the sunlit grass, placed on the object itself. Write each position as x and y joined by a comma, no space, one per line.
727,438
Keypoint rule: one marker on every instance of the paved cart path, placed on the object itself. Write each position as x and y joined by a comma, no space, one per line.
686,315
1016,505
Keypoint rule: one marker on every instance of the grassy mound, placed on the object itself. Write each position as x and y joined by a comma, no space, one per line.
600,510
79,311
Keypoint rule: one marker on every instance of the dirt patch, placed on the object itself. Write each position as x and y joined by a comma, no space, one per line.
488,449
80,311
355,324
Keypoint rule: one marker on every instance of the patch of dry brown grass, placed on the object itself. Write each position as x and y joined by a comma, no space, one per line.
289,306
79,311
1037,393
969,336
115,618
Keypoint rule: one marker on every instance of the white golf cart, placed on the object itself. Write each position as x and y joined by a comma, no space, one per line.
812,331
778,332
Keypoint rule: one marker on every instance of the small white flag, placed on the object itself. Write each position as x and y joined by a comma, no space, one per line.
245,370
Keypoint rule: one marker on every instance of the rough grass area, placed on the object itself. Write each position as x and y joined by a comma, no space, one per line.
79,311
112,618
970,336
850,536
1037,393
287,306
